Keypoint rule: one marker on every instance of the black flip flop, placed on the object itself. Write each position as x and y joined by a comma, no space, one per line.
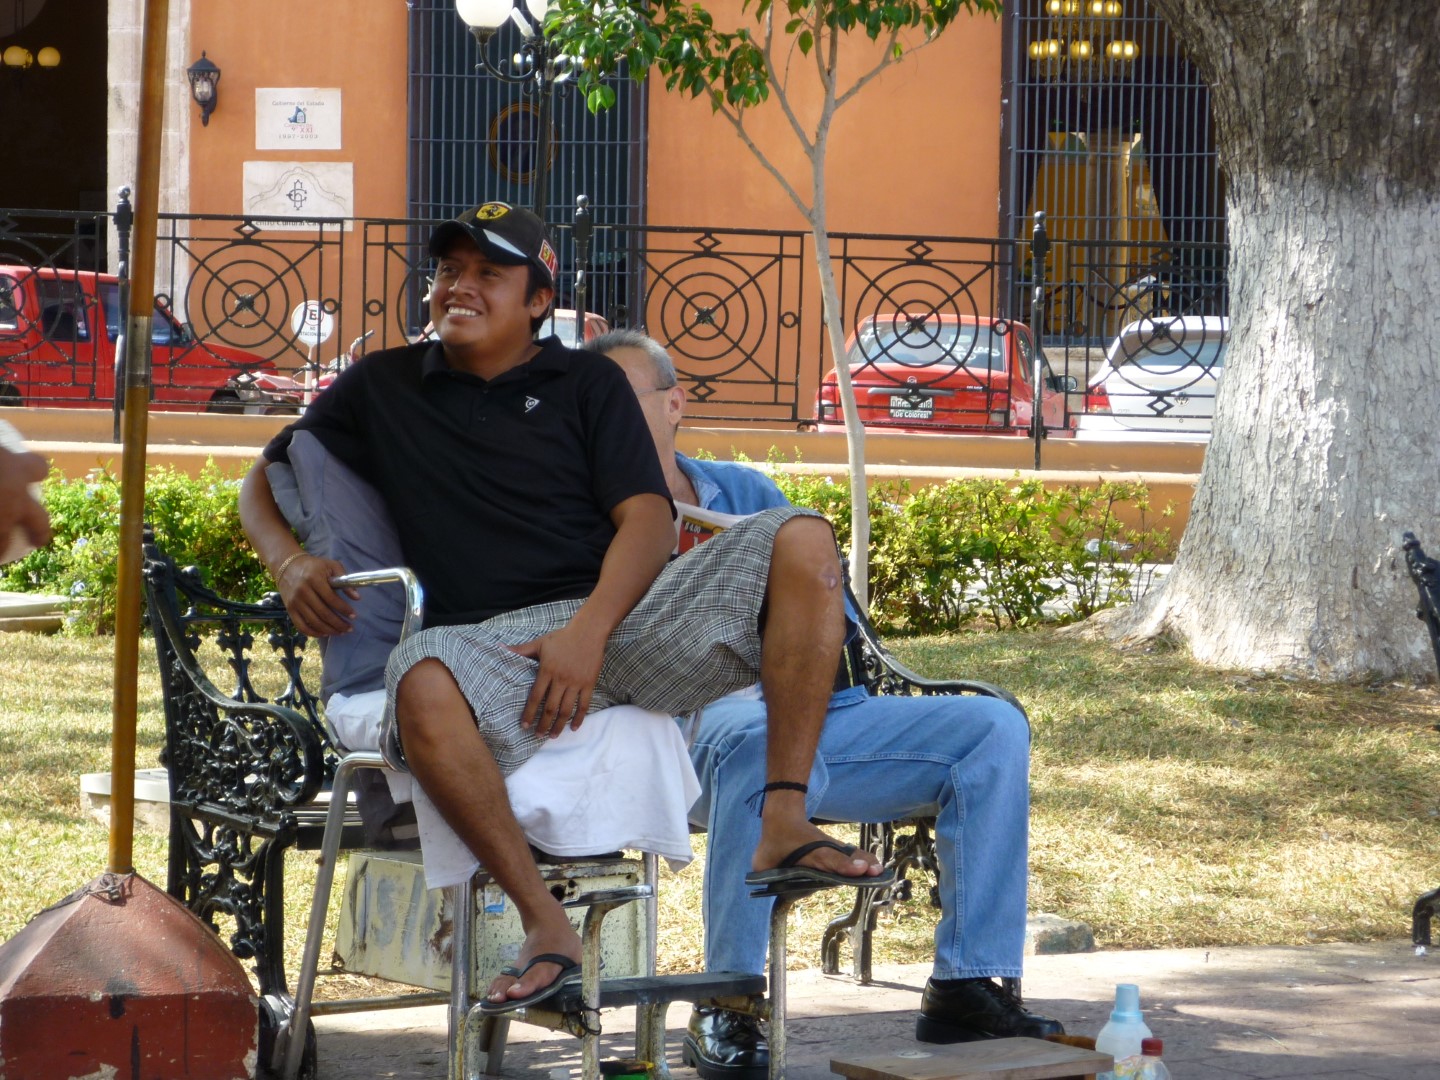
569,976
790,875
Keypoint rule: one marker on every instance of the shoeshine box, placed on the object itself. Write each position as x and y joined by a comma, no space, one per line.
995,1059
392,927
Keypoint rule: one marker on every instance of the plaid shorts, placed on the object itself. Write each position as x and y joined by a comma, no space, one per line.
692,638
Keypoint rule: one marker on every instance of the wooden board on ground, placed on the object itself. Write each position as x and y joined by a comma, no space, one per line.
997,1059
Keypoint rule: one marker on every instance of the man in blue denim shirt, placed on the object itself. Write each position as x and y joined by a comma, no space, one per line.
963,760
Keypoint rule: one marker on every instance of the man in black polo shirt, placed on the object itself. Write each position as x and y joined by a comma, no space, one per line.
529,500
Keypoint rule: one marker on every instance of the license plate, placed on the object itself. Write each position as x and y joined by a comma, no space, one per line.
901,410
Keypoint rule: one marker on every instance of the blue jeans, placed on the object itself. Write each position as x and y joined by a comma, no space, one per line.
964,760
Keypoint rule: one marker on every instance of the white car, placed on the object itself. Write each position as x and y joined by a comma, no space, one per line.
1158,381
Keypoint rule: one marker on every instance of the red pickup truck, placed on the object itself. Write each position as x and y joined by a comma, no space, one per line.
58,330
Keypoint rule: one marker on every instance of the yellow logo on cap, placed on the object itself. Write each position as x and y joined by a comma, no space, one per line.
547,256
491,210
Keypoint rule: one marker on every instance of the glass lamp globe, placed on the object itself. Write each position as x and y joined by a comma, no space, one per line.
486,14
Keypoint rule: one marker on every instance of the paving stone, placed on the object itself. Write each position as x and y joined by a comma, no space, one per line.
1324,1012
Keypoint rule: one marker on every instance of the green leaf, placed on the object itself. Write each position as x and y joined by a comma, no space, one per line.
600,98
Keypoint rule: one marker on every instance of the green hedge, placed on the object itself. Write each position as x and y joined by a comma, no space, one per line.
196,520
1001,552
1006,553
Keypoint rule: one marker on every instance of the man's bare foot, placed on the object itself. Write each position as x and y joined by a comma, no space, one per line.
542,941
781,838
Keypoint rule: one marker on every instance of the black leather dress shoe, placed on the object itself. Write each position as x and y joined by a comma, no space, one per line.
964,1010
725,1045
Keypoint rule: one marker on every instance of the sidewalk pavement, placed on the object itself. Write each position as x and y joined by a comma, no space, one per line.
1337,1012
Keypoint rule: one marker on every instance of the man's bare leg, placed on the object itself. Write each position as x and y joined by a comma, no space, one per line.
803,637
451,762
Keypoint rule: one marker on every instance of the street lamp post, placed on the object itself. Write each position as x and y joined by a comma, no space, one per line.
533,68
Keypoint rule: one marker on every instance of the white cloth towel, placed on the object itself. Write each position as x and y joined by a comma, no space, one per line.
623,781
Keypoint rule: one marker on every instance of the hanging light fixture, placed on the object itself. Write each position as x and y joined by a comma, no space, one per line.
1080,41
18,57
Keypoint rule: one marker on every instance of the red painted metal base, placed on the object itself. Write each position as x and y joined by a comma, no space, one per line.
119,979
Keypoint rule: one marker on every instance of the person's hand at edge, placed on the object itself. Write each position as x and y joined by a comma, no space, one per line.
18,508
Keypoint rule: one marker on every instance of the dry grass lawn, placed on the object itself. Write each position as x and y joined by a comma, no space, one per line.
1173,805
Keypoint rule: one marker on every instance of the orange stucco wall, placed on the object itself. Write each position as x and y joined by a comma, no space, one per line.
359,48
917,150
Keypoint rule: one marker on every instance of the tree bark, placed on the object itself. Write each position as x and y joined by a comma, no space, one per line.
1324,448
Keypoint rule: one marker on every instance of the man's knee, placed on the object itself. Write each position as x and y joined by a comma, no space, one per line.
808,543
1007,729
421,696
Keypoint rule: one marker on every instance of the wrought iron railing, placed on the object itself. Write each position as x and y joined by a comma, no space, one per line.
739,309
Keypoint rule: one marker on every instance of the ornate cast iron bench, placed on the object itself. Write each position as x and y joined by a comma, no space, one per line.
249,766
1425,572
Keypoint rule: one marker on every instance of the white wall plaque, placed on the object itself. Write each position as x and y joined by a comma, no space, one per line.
297,118
301,190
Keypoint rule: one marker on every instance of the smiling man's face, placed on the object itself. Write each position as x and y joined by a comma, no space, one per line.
479,306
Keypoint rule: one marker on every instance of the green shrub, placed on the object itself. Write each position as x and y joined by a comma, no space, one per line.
196,520
1003,552
943,556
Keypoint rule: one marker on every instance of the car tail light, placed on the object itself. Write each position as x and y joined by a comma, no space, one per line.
1000,411
829,404
1096,400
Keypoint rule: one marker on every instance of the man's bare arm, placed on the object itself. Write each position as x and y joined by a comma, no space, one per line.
302,579
570,658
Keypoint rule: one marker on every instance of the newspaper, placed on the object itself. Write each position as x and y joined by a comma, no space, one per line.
694,525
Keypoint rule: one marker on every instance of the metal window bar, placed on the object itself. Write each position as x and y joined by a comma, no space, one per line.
1108,129
472,139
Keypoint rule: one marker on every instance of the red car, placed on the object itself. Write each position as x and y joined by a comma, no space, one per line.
944,373
58,332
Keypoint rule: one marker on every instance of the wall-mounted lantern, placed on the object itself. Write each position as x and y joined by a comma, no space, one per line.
204,82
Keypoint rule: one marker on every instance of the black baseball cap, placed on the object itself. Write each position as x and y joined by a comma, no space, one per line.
507,234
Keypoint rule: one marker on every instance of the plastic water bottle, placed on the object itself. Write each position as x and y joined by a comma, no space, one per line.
1145,1065
1121,1037
1151,1067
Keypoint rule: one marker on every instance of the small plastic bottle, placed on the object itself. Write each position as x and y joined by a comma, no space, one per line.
1120,1038
1151,1067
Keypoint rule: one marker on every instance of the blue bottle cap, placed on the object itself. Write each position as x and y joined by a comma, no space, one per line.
1127,1003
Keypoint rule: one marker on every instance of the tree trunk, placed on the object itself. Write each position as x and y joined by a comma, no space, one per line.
854,429
1324,448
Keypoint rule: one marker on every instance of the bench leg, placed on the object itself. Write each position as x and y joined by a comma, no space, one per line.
1425,909
858,924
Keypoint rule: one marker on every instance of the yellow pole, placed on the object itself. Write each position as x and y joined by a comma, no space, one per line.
133,436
